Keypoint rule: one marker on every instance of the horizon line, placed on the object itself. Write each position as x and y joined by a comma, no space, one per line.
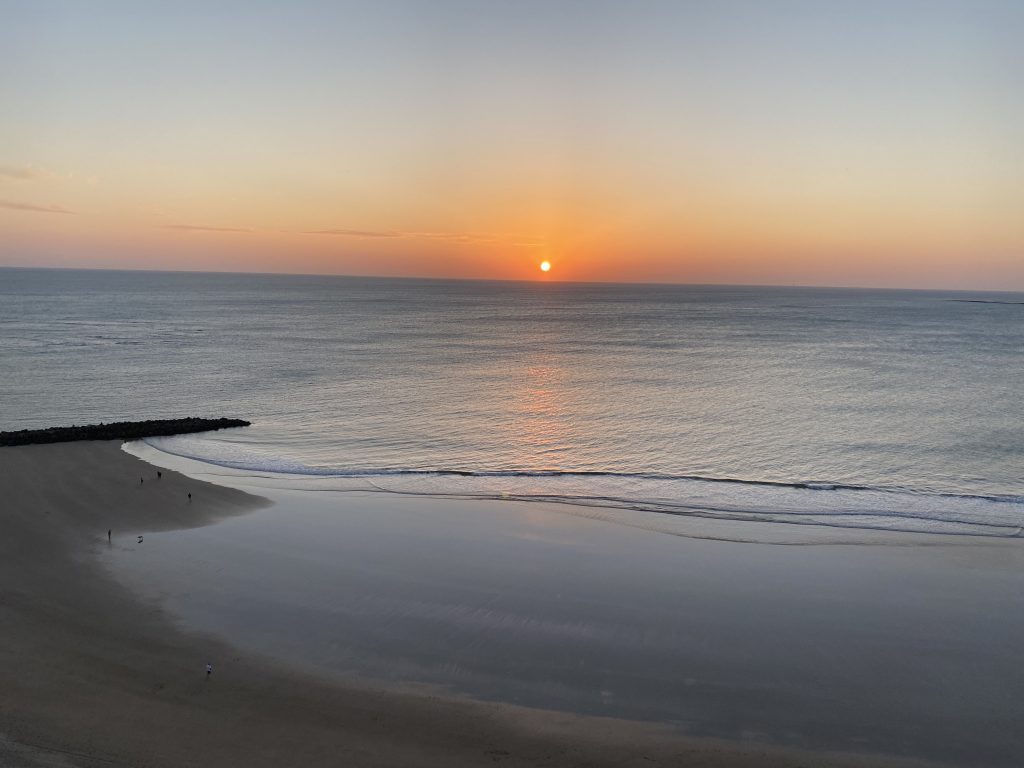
508,280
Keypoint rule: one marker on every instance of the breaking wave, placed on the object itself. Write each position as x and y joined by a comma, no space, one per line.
801,502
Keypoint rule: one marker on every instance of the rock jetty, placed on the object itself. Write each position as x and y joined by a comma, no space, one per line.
119,430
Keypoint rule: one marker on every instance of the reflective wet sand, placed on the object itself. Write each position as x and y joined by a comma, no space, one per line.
906,645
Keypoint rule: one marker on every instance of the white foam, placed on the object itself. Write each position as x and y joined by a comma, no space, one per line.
801,503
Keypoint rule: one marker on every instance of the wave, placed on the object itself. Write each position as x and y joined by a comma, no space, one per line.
256,463
802,502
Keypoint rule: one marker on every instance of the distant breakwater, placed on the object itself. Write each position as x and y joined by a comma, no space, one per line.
986,301
118,430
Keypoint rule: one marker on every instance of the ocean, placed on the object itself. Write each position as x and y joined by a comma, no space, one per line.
709,488
897,410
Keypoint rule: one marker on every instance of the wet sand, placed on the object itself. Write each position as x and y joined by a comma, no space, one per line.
91,674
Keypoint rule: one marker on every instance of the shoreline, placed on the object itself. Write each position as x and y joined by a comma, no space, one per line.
97,675
817,507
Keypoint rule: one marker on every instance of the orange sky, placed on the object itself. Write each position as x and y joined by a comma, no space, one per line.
741,145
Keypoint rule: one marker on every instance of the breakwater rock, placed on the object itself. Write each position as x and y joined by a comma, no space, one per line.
119,430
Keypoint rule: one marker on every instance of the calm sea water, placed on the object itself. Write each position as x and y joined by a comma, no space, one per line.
882,409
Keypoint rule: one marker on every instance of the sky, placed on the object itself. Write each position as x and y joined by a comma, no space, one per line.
823,143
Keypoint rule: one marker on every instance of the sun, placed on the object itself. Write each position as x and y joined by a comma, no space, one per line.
545,266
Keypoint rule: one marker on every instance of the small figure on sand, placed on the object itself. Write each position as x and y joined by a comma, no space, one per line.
140,539
108,535
141,481
209,670
190,495
159,474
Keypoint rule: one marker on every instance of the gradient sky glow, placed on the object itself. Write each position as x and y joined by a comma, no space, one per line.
840,143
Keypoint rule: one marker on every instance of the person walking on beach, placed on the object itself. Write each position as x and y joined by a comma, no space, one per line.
209,670
108,535
141,481
190,496
159,474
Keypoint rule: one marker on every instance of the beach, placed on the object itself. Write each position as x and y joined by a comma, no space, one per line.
523,384
95,675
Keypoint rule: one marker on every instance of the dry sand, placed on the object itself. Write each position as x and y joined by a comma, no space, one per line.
92,676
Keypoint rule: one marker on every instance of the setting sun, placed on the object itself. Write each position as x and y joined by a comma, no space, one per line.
545,266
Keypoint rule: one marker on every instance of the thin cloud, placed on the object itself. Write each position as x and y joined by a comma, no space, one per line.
451,237
23,172
356,233
201,228
10,204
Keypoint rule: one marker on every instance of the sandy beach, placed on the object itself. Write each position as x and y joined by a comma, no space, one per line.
92,675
